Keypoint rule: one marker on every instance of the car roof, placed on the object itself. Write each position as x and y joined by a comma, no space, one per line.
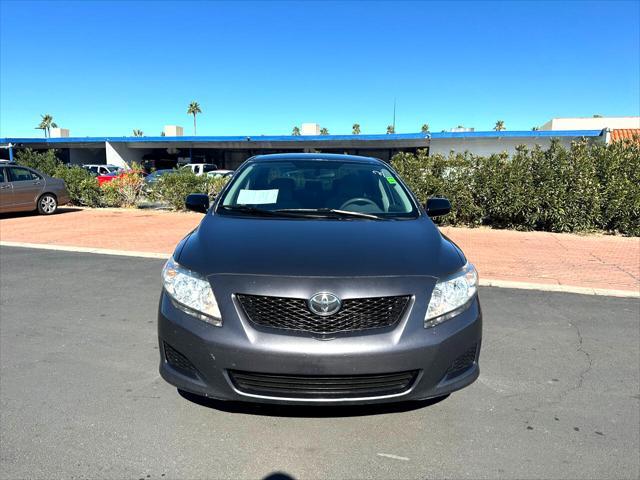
314,156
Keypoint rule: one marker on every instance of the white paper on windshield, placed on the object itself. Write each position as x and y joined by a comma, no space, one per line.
257,197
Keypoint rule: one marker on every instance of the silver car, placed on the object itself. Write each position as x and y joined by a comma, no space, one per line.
26,189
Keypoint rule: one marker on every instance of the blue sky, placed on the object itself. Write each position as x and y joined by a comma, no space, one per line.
105,68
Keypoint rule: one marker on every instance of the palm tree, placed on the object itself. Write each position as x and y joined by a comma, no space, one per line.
194,109
137,133
390,129
324,131
295,132
499,126
425,128
355,129
46,124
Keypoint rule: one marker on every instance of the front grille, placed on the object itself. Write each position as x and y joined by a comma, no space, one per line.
461,364
294,314
178,361
322,387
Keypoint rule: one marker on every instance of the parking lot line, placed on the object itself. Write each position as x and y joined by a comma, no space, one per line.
484,282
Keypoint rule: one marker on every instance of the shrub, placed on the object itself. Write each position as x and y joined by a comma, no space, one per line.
440,176
123,191
618,173
586,187
215,185
46,161
83,188
174,188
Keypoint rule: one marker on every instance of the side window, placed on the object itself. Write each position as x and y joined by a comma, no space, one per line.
209,168
22,174
3,176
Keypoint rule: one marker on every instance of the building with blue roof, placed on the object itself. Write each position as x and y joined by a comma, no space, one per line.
230,151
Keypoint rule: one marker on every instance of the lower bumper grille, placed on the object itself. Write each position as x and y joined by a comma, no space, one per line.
178,361
463,363
323,387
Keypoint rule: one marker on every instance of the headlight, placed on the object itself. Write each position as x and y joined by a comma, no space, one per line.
191,293
451,296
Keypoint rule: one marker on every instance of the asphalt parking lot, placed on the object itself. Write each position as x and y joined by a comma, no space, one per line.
80,396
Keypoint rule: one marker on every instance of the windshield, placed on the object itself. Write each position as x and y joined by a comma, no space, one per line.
318,187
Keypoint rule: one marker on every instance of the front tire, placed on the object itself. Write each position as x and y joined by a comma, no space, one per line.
47,204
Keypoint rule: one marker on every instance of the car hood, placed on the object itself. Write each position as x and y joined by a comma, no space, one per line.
318,247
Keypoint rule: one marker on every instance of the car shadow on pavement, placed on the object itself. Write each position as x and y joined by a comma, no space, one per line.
279,476
309,411
34,213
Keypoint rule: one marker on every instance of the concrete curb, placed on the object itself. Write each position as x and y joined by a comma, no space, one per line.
484,282
98,251
559,288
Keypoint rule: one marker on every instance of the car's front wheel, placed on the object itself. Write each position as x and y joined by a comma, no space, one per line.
47,204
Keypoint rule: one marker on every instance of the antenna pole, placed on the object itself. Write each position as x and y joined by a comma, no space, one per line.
394,114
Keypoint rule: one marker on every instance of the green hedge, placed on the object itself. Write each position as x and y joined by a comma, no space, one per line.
586,187
174,188
121,192
82,186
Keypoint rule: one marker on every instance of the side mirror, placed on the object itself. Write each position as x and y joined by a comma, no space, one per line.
197,202
437,206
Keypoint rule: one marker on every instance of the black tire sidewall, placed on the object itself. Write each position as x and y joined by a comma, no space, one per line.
40,210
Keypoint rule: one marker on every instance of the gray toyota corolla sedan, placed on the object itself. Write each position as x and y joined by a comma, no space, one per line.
317,278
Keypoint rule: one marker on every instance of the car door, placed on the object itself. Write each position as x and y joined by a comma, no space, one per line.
6,194
27,186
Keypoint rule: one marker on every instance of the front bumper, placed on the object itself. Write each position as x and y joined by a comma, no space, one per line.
211,353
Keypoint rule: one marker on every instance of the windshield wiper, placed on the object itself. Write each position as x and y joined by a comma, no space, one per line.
329,211
260,211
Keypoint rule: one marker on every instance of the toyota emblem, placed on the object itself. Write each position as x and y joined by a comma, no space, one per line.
324,304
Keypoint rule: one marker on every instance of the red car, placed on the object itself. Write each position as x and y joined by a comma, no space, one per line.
119,174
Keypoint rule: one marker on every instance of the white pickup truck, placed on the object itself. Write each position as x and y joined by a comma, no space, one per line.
201,168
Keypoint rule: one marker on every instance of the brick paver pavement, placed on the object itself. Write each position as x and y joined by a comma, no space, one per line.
594,261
